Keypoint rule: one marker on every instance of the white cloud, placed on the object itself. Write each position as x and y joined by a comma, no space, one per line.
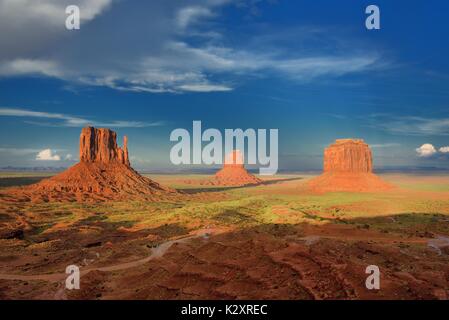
444,149
28,66
29,26
34,41
69,157
169,72
71,121
49,11
426,150
47,155
311,68
204,87
189,15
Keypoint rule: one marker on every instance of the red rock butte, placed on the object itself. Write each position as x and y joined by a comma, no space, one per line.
100,145
234,173
348,166
348,155
103,173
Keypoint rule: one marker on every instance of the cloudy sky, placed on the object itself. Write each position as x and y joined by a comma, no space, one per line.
308,68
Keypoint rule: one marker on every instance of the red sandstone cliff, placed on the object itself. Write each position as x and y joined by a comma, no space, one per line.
100,145
348,155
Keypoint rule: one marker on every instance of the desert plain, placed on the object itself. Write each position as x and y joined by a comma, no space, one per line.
275,240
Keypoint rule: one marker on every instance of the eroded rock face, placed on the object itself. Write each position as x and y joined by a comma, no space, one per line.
348,155
100,145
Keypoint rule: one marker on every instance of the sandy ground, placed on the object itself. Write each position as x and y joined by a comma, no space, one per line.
273,241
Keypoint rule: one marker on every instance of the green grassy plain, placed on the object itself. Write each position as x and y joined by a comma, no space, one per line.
413,205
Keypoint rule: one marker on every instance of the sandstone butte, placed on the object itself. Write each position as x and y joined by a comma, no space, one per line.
103,173
234,173
348,166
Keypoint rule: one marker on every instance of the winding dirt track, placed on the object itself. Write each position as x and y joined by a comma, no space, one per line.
157,252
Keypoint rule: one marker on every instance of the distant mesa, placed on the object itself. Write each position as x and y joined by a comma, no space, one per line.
103,173
348,166
348,155
233,173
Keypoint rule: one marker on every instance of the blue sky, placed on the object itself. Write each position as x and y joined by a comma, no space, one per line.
143,68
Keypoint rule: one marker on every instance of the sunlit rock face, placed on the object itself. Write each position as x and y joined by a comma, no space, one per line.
100,145
348,155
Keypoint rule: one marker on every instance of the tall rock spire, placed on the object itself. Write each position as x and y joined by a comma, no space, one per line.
100,145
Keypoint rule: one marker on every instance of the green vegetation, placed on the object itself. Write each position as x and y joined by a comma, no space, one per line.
266,205
436,187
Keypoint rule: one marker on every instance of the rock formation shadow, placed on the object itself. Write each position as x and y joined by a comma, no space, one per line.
284,261
20,181
224,188
303,261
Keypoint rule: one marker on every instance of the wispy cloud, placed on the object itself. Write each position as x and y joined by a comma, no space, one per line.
385,145
204,87
189,51
18,151
30,66
170,73
309,68
189,15
409,125
63,120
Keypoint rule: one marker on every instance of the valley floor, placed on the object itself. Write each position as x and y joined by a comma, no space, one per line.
273,241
